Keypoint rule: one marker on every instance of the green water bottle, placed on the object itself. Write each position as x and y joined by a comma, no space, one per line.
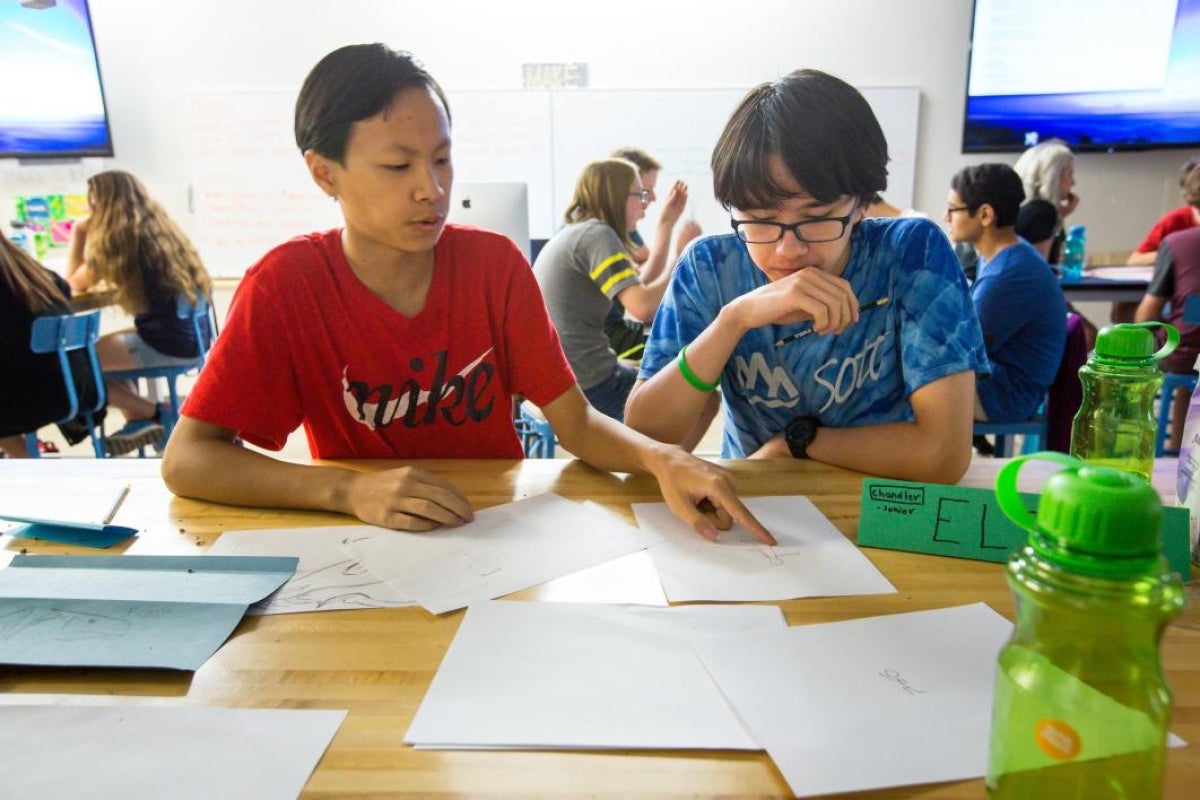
1115,425
1081,705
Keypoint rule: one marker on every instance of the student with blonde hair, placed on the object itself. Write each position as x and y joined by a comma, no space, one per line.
587,266
653,257
628,337
34,394
130,243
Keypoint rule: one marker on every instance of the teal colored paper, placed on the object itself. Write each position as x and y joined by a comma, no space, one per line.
128,611
103,537
966,522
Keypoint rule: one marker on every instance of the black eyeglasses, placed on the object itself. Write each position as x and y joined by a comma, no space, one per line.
951,210
810,231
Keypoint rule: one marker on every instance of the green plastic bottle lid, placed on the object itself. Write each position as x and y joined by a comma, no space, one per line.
1091,520
1135,341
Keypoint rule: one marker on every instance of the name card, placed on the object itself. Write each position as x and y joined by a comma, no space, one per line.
964,522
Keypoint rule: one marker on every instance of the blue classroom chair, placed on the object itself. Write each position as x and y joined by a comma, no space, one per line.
61,335
1034,431
537,437
1173,381
184,310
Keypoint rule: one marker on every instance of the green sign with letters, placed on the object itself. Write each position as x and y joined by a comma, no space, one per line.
964,522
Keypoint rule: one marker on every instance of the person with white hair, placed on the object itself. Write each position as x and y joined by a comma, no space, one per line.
1048,172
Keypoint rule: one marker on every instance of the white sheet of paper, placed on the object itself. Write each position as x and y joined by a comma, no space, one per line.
78,503
550,675
812,558
882,701
151,752
326,580
505,549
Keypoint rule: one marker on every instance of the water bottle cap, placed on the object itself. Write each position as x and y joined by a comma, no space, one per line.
1077,231
1091,520
1135,341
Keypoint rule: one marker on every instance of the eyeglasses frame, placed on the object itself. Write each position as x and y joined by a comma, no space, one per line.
794,227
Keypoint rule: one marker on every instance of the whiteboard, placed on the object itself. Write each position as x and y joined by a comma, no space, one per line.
680,128
251,191
250,188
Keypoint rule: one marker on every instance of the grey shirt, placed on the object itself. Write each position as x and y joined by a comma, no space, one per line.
581,271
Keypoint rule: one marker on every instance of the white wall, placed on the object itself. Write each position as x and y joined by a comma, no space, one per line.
154,53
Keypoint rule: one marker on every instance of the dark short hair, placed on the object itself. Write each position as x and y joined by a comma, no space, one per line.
997,185
350,84
1036,221
820,127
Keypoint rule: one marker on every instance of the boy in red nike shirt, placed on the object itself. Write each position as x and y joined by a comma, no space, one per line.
397,336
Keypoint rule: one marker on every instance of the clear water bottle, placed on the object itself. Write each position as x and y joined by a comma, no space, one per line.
1081,706
1073,254
1115,425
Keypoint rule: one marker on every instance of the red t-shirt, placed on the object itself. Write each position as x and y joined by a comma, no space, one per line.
308,343
1179,219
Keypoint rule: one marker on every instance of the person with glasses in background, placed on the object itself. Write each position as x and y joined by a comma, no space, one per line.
587,266
847,340
628,337
1018,299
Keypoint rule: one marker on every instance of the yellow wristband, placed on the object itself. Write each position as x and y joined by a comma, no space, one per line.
692,377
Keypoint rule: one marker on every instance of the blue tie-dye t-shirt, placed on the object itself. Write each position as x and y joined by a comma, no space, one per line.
927,331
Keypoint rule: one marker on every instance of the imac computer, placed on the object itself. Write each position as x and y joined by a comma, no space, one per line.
500,207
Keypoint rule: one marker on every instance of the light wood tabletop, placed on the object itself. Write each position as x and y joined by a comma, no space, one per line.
378,662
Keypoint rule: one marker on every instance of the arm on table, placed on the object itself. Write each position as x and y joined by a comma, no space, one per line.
203,462
700,493
934,448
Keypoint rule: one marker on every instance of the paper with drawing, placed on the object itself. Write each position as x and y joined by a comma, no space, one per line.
812,558
128,611
505,549
857,705
326,578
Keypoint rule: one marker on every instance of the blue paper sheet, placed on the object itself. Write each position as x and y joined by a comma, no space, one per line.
128,611
64,534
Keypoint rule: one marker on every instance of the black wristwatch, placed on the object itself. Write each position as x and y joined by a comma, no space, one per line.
799,434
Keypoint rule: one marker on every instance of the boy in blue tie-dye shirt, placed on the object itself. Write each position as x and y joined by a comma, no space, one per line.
881,378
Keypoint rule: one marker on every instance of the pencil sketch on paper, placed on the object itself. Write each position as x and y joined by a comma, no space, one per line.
326,578
61,625
341,584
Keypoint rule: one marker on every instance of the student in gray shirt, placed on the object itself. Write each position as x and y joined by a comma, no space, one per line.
586,266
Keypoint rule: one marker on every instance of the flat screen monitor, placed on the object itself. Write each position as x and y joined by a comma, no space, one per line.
500,207
51,96
1102,75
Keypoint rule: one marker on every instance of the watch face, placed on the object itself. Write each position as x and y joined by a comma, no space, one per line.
799,435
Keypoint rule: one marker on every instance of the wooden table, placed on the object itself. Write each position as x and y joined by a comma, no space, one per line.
377,663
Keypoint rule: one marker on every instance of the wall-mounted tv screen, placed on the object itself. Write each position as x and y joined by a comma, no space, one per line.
51,97
1103,75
